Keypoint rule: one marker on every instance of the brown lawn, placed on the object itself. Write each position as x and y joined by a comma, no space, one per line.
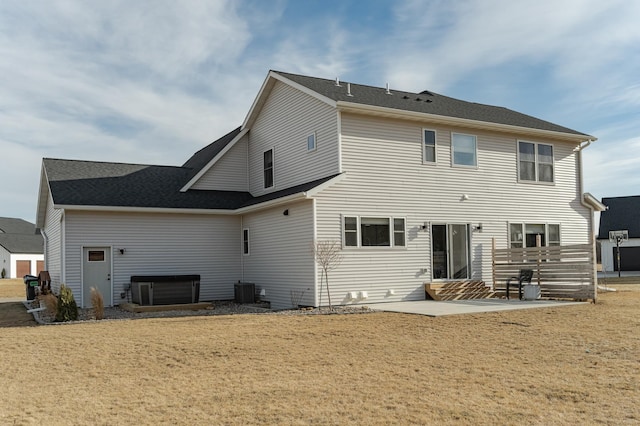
565,365
12,287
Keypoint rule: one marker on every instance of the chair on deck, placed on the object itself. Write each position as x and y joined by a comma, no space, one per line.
525,277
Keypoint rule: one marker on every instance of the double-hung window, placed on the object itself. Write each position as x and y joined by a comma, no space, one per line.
428,146
464,150
268,168
373,231
535,162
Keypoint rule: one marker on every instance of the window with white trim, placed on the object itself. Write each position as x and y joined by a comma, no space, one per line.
428,146
535,162
368,231
523,235
268,168
245,241
464,150
311,142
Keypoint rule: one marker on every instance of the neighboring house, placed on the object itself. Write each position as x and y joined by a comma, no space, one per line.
21,248
414,186
623,213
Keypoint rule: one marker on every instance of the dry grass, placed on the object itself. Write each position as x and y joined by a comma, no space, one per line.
97,303
12,287
566,365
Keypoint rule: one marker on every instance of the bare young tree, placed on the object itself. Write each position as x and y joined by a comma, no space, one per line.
328,254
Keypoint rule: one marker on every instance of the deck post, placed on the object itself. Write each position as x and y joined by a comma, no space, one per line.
493,263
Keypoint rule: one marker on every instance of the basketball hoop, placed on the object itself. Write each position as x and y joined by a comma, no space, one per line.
619,236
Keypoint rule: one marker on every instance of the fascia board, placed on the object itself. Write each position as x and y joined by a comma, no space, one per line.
43,197
213,161
119,209
455,121
266,89
273,203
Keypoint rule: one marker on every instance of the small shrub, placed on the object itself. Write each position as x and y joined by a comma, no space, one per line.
67,309
98,303
4,273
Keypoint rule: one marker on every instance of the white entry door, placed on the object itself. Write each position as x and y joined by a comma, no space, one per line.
96,272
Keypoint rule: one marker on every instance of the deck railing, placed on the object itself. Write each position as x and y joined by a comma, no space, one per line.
563,272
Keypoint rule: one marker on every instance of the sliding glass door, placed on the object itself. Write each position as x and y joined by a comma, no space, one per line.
450,251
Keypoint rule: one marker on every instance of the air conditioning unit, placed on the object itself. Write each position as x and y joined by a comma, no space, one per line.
244,292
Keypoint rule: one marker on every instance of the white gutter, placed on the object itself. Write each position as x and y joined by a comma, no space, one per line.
142,209
455,121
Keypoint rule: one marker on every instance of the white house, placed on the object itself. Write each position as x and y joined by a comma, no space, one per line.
622,214
21,248
413,186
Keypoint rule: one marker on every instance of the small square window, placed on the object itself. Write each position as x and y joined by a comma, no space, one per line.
311,142
95,256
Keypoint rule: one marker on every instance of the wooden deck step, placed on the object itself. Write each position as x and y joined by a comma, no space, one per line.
459,290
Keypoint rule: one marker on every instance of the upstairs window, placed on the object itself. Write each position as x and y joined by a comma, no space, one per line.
311,142
268,168
464,150
535,162
428,146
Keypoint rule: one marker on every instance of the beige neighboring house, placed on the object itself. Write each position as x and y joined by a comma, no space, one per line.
21,248
413,186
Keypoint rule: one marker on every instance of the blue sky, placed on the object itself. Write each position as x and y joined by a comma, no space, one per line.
154,81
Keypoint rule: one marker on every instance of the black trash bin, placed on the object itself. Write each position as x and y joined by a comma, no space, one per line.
31,283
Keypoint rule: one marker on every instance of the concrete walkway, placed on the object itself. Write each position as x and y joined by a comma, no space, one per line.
434,308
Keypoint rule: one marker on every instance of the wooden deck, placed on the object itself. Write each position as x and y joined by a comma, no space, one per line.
458,290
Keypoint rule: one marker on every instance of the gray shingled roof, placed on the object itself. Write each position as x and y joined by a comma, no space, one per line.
206,154
424,102
20,236
622,213
90,183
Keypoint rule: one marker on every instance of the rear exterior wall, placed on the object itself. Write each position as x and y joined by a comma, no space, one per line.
157,244
385,176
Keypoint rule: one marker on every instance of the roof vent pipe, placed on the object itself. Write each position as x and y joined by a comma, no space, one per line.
388,91
338,82
349,89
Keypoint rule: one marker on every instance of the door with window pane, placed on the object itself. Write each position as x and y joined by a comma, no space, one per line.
450,251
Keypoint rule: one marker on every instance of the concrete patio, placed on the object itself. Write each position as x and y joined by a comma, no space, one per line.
434,308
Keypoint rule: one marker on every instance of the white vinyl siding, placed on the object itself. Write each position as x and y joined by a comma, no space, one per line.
229,173
286,119
158,244
53,252
385,176
281,253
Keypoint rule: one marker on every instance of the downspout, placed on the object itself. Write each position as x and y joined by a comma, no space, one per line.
46,249
592,240
315,263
